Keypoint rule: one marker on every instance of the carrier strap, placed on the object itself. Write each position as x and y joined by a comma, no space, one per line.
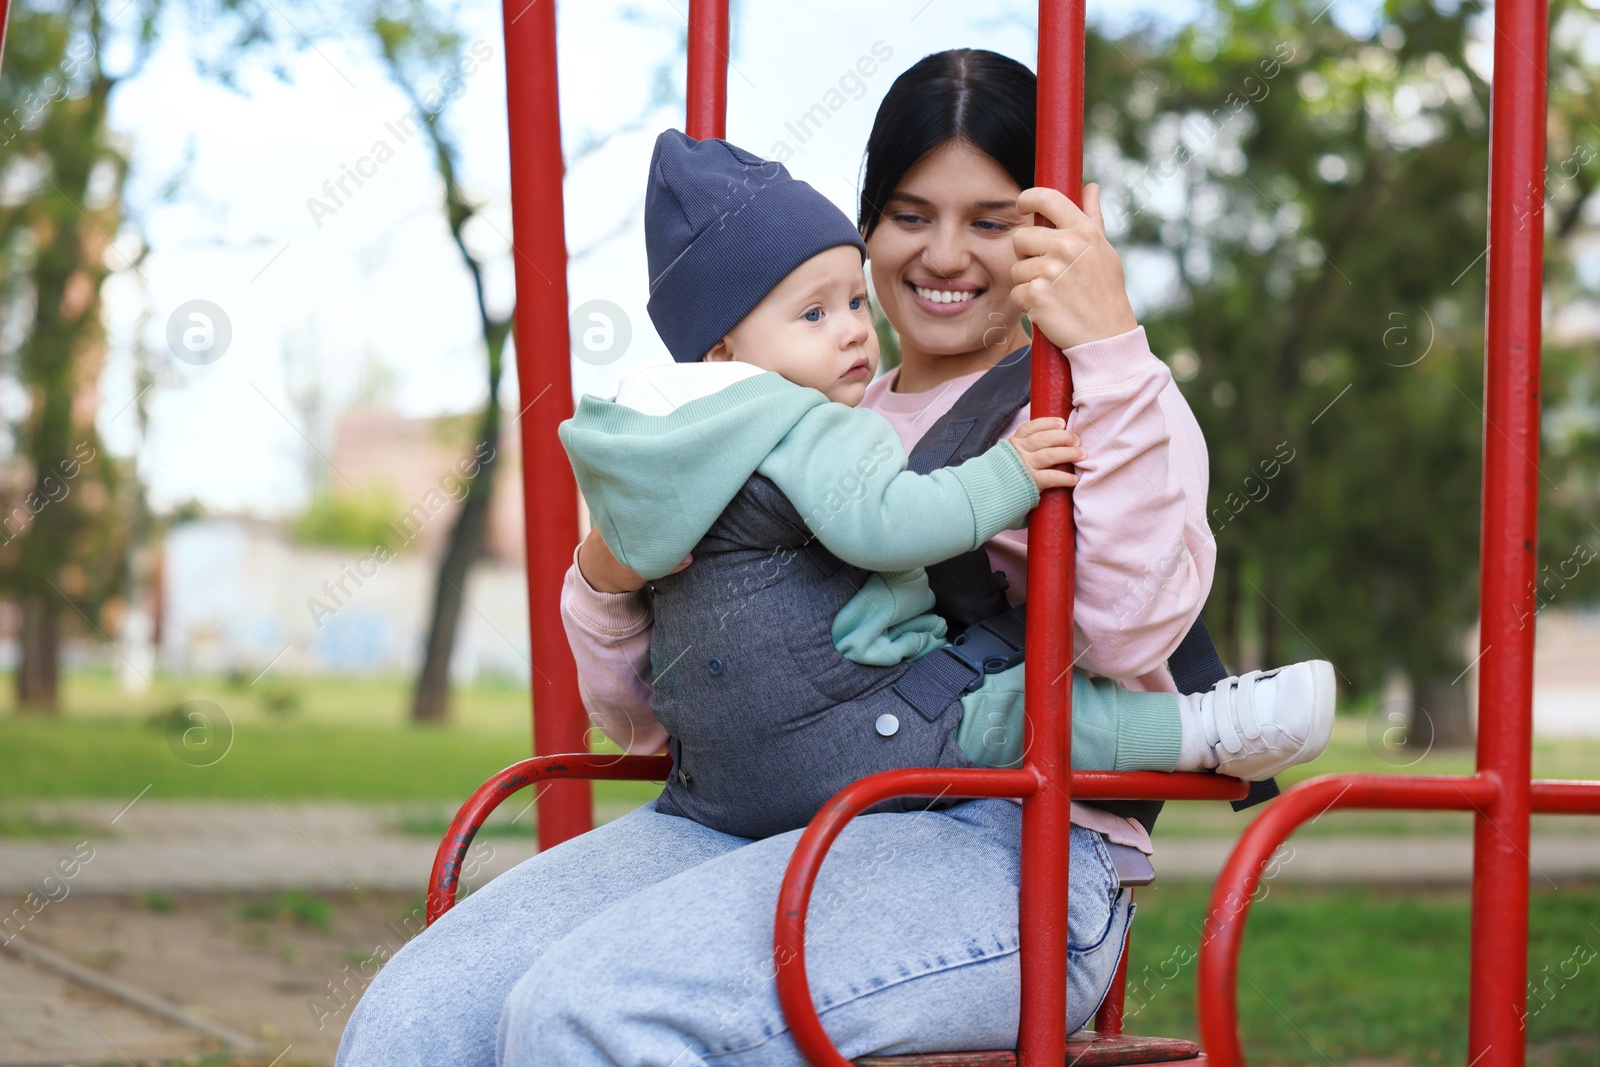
944,675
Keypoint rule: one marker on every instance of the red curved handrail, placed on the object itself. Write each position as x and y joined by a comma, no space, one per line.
794,895
491,794
1223,932
1230,898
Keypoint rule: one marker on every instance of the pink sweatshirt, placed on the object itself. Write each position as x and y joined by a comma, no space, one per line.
1145,555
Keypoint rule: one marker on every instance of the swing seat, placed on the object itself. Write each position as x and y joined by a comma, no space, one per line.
1084,1049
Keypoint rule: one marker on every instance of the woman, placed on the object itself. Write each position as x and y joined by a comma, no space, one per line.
649,940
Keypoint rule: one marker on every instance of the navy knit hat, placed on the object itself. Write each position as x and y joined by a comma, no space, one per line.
722,228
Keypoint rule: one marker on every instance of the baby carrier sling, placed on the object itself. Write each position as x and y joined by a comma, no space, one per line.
988,633
765,718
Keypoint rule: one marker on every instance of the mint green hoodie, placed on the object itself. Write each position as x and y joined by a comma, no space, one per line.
658,464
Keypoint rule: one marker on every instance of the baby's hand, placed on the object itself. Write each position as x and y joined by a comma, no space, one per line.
1045,445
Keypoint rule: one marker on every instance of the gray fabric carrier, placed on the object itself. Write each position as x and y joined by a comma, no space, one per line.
766,718
765,727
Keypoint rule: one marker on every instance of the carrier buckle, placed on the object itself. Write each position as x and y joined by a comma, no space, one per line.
984,652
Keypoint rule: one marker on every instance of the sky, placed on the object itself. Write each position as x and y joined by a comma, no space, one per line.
364,293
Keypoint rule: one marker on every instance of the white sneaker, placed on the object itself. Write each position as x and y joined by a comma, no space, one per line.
1261,722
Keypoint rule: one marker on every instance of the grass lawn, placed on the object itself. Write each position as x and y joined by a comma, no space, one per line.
347,738
1331,974
298,739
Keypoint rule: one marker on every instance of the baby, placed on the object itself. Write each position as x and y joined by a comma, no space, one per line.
795,654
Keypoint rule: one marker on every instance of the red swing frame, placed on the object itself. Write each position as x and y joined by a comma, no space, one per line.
1500,793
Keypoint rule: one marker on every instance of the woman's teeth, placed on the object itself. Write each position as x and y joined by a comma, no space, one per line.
945,296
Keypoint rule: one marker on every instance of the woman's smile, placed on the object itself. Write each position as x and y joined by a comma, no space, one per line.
944,298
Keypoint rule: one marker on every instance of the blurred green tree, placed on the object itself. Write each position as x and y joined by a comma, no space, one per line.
1315,198
69,508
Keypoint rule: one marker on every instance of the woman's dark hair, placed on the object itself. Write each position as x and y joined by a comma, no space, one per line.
967,94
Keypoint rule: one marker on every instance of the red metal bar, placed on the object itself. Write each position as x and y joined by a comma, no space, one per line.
1495,1034
1218,972
1555,797
491,794
1042,908
708,69
5,6
544,379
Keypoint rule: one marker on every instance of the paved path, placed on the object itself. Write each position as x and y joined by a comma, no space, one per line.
196,846
204,846
46,1019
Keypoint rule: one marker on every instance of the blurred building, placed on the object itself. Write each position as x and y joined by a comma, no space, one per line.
242,593
1566,674
377,448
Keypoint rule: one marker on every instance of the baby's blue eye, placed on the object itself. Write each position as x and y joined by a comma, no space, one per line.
857,303
812,314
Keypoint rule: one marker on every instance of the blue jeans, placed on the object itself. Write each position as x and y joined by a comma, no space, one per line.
648,941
